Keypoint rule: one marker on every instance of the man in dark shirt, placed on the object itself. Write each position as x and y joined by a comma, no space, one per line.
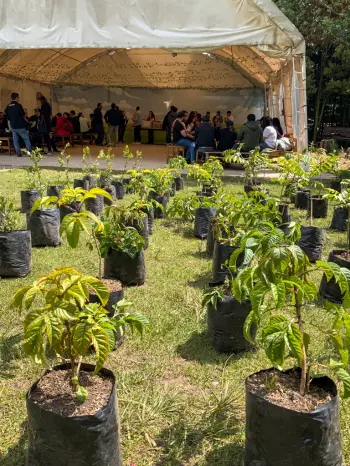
205,134
98,125
227,137
75,121
114,118
15,114
182,138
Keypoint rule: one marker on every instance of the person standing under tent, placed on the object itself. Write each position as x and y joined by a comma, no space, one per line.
15,114
151,117
137,118
171,119
227,137
98,125
229,116
269,135
75,122
250,135
113,118
218,121
165,126
45,125
84,123
124,122
181,137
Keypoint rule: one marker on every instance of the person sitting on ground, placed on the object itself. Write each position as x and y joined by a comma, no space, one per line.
217,121
15,114
250,135
75,121
205,135
269,135
227,137
181,137
113,117
277,125
4,127
64,126
84,123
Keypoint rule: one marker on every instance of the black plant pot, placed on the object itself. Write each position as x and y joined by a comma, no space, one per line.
28,199
105,181
54,190
173,189
312,242
211,238
302,199
340,219
163,200
55,440
225,325
15,253
69,209
91,180
143,230
284,211
127,188
95,205
44,226
222,253
179,183
84,184
319,207
118,265
276,436
250,187
119,189
111,191
336,185
331,290
203,216
150,216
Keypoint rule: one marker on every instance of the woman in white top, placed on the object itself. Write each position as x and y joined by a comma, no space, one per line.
269,135
84,123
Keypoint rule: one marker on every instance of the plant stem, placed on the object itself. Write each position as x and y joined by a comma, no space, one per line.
303,381
348,238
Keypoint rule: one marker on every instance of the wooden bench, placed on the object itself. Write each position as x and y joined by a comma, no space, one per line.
63,140
174,151
6,143
84,138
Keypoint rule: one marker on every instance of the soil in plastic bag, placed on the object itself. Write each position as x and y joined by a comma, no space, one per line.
319,207
179,183
276,436
163,200
15,253
312,242
91,180
143,230
95,205
225,325
340,219
68,209
203,216
118,265
54,191
119,189
44,226
302,199
84,184
111,191
222,253
90,440
210,238
330,290
28,199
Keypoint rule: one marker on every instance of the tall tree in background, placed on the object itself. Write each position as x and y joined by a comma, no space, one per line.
326,27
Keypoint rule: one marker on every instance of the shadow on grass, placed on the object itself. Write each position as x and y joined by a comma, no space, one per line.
201,281
15,456
229,455
10,349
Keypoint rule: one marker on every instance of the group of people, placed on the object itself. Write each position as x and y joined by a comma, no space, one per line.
196,132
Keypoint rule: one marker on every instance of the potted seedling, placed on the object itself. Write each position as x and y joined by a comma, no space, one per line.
214,167
73,397
330,289
183,208
132,215
106,174
160,182
15,243
35,183
128,157
298,400
44,221
177,164
91,171
63,160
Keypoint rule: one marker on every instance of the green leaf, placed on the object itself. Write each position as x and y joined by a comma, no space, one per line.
295,340
99,288
274,339
250,320
345,378
100,342
82,338
17,300
81,394
257,295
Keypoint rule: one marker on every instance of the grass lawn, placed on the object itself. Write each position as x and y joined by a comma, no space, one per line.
180,402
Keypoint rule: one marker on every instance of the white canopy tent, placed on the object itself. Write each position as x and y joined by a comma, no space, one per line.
158,44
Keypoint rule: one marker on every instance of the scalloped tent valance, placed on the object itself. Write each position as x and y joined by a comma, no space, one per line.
156,44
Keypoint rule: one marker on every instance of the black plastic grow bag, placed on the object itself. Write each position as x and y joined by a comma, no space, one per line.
28,199
203,216
44,226
95,205
150,216
225,325
302,199
312,242
330,290
54,190
84,184
91,180
285,216
319,207
120,266
222,253
15,253
91,440
111,191
276,436
179,183
69,209
143,230
162,200
211,238
340,219
119,189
